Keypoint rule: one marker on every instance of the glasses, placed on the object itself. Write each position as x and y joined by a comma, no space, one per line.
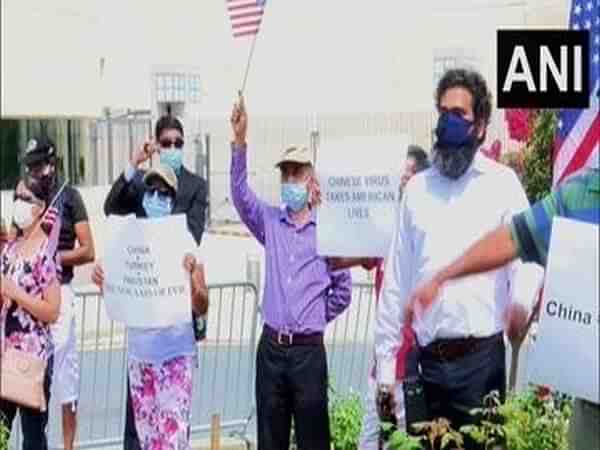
167,143
163,194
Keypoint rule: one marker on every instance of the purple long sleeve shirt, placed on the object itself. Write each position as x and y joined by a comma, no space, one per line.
301,293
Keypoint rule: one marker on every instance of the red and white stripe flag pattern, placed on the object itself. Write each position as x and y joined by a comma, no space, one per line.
578,138
246,16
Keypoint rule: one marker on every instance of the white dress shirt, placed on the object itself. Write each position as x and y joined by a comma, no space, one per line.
437,221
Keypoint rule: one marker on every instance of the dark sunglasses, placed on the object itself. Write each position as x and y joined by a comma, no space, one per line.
163,194
167,143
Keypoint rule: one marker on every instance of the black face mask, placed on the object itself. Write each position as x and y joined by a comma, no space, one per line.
43,186
456,145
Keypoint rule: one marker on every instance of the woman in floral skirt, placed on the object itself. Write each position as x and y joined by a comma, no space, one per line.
161,360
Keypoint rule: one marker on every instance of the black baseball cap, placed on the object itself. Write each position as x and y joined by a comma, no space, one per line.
38,149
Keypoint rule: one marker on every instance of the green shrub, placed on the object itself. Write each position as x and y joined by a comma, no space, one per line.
399,440
537,160
3,435
533,420
345,416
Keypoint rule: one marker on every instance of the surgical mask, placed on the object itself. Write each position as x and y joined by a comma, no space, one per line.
23,214
172,157
456,145
294,195
156,206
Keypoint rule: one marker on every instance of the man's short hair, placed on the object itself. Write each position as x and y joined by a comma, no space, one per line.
473,82
167,122
420,156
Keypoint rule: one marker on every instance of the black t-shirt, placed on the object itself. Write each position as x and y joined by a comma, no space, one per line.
72,210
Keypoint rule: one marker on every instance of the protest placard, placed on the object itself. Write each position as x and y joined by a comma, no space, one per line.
359,179
145,284
566,352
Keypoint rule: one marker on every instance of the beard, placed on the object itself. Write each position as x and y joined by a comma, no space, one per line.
454,162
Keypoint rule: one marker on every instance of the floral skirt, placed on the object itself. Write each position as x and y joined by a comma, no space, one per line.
161,396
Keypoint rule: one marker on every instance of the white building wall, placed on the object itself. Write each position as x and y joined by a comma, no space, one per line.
69,57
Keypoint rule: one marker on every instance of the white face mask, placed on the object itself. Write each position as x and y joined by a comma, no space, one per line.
23,214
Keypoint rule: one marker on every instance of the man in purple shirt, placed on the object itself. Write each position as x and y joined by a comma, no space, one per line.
302,294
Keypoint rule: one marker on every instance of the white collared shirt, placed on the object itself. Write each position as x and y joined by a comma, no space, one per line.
437,221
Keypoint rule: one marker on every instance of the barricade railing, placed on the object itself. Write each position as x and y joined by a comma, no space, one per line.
349,342
223,384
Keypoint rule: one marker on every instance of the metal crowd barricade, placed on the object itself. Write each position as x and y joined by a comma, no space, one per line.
223,383
349,342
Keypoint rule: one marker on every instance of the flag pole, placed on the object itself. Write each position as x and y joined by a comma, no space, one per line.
248,63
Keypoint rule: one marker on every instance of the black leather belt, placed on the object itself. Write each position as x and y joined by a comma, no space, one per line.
451,349
290,339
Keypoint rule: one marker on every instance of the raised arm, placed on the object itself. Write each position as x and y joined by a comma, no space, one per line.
250,208
125,193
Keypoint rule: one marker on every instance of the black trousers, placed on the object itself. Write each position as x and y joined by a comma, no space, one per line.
454,388
130,437
33,422
291,382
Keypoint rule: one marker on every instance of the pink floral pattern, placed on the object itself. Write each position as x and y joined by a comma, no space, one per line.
161,396
34,274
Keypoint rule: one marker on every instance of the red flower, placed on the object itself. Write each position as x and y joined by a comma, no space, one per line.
518,121
543,393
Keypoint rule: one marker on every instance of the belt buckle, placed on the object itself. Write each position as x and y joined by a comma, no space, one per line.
281,335
439,347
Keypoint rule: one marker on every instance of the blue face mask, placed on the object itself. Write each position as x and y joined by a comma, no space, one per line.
155,206
294,195
456,145
172,157
454,131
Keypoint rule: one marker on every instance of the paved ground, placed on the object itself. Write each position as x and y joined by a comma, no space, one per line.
223,384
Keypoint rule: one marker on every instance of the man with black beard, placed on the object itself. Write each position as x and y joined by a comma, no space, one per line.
443,211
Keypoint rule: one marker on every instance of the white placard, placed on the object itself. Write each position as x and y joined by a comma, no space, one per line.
145,284
565,354
359,180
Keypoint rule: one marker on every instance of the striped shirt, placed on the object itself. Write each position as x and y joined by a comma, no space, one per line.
577,199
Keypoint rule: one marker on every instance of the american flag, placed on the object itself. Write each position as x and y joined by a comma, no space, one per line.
579,129
246,16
